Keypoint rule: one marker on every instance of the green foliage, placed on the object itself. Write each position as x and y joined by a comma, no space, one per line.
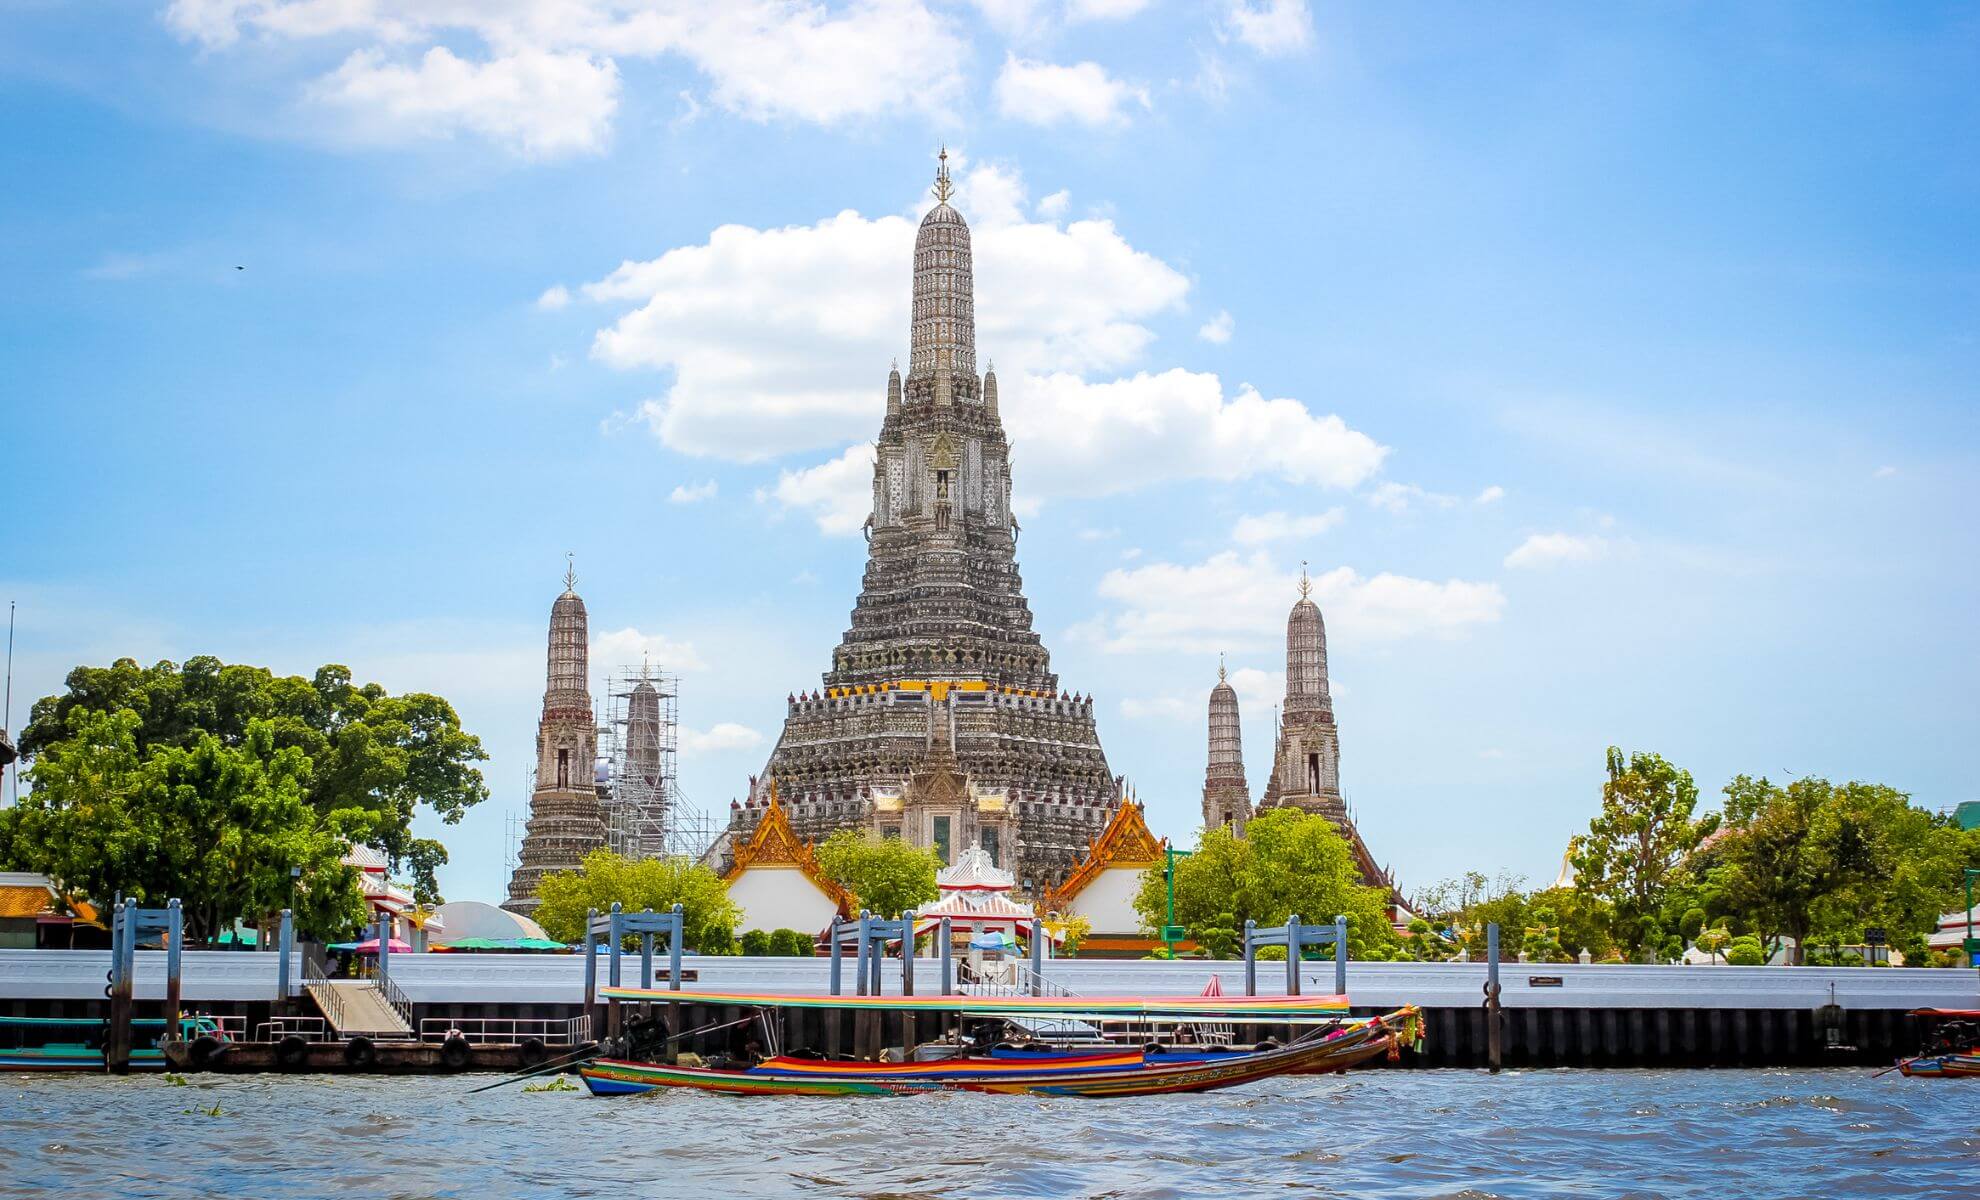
1745,952
708,919
1288,863
1634,847
756,943
789,943
370,759
886,874
217,825
1821,863
1713,941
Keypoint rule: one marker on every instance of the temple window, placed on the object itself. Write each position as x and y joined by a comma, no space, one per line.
941,838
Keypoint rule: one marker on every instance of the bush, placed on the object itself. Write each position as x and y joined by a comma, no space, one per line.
1745,952
756,943
789,943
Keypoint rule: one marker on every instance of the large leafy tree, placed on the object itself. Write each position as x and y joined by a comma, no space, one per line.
1633,849
886,874
1814,860
219,826
708,916
1288,862
372,758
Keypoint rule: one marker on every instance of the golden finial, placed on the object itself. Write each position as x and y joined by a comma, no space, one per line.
943,188
1220,666
570,571
1305,585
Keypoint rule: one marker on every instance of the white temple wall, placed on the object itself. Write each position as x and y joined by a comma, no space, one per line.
1108,902
776,897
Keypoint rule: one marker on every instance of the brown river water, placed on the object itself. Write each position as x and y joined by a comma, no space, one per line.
1715,1135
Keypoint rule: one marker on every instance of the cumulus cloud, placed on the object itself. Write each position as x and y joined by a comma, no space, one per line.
1400,497
725,735
1218,329
1103,10
692,493
1231,599
1546,549
549,81
1042,93
1259,689
1271,27
1277,526
1055,205
554,297
629,647
837,494
1491,495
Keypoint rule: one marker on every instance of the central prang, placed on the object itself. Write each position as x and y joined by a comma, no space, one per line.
940,720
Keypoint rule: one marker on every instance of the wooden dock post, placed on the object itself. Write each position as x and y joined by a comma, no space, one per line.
1340,954
175,931
1250,961
907,984
117,1039
1494,1051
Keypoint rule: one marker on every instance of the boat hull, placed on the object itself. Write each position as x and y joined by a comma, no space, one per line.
1942,1066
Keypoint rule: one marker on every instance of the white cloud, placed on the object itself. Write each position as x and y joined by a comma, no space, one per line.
629,647
1259,689
837,493
542,105
1271,27
692,493
549,83
1232,600
1399,497
778,339
1045,93
1154,708
1055,205
1491,495
1218,329
554,297
1275,526
725,735
1103,10
1545,549
1883,472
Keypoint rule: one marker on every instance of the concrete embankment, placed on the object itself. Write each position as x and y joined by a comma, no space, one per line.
1555,1014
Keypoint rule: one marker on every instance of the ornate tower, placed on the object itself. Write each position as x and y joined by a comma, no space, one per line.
1306,764
565,822
941,718
1226,796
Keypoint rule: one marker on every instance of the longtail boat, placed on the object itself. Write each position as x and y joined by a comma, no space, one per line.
1112,1072
76,1044
1952,1047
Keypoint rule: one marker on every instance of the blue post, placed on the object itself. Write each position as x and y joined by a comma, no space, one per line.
859,969
1250,961
384,949
674,950
617,926
590,960
948,956
1493,1050
285,945
1292,955
1037,957
907,953
1340,955
175,936
646,954
832,936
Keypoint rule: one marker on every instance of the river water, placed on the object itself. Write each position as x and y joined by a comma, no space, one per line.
1721,1135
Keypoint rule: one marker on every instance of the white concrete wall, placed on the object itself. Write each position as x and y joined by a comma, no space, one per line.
1108,901
781,898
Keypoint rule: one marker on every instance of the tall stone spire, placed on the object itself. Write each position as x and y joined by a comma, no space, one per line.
1226,795
941,717
565,820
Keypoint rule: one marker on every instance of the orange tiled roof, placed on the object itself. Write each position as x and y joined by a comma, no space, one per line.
18,901
775,843
1126,842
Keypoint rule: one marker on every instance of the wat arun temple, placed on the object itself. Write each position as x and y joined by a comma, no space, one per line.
941,720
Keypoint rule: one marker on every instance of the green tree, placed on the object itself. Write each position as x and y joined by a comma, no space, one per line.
1288,862
789,943
708,917
219,826
886,874
755,943
1713,941
1634,847
373,758
1745,952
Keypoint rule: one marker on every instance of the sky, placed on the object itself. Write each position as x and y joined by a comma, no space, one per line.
1615,370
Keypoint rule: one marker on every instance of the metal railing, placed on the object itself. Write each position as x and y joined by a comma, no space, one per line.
508,1031
309,1029
316,981
1023,982
388,990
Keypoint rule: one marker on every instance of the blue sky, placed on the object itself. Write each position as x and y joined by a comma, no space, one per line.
1614,368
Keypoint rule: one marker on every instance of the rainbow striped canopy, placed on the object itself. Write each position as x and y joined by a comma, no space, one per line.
1256,1008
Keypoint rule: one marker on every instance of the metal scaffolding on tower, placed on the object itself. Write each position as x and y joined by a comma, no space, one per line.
646,814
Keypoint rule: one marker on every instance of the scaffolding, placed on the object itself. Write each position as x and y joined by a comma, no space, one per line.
646,814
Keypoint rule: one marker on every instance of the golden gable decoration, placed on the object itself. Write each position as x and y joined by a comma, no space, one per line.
776,844
1125,842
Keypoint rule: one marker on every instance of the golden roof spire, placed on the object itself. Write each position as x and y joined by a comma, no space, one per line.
943,188
1305,585
570,571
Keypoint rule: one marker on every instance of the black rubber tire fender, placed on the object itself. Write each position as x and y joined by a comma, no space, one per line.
534,1053
454,1052
291,1050
360,1053
203,1050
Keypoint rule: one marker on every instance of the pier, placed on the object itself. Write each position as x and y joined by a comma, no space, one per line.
508,1009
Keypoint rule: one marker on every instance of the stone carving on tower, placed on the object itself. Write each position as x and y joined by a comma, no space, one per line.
941,719
1226,795
565,819
1306,763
